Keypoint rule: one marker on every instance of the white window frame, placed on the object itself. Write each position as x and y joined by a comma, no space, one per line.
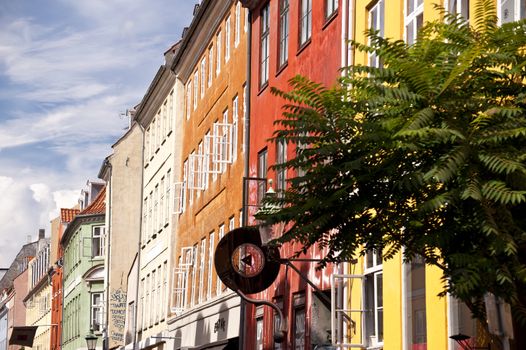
211,246
227,39
203,76
376,22
195,255
202,271
411,19
331,6
218,54
374,272
459,7
519,13
188,99
220,236
235,126
264,55
237,28
98,233
196,88
284,31
305,22
210,65
97,311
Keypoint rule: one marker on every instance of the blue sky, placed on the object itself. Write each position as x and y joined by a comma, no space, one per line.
68,70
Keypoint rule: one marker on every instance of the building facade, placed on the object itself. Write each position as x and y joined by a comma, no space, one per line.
83,275
288,38
156,118
38,298
122,171
211,70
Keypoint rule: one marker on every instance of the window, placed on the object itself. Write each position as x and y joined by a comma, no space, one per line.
196,88
259,328
97,241
188,99
162,208
158,297
154,304
202,271
376,22
168,186
298,339
414,19
331,6
218,57
231,224
262,174
511,10
170,111
96,312
460,7
203,76
279,303
460,321
165,290
227,39
235,111
194,275
265,45
283,32
221,235
210,63
305,21
374,298
155,210
210,263
415,304
281,174
237,28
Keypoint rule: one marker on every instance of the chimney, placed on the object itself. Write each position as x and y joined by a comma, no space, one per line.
41,233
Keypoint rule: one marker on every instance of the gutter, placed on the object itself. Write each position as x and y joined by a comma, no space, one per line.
242,331
136,304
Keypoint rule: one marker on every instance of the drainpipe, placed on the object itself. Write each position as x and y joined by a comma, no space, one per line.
242,328
136,304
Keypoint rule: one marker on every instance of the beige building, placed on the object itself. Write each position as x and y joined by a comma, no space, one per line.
122,171
159,123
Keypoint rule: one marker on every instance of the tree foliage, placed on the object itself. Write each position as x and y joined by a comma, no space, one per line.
427,152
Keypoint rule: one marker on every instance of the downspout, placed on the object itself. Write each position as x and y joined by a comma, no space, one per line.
136,304
242,328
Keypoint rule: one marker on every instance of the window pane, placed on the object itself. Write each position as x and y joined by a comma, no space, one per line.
299,329
415,291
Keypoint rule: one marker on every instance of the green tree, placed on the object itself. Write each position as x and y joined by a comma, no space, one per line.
427,152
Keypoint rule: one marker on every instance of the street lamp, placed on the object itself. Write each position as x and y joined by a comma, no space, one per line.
91,340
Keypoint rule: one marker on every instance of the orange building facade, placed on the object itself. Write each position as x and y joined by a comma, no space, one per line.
211,71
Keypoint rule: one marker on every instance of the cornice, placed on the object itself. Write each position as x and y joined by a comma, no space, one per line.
159,89
199,35
77,222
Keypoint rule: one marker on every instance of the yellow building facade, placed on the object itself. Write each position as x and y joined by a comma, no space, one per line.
391,304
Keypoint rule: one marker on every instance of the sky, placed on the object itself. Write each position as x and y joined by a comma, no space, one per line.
69,70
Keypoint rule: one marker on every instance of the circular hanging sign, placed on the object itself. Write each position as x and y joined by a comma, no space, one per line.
243,263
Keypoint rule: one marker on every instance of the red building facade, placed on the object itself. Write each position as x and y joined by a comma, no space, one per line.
288,37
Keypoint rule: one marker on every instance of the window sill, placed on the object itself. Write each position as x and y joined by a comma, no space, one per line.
282,68
329,19
262,88
303,46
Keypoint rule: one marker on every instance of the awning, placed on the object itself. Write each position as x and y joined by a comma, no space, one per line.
23,336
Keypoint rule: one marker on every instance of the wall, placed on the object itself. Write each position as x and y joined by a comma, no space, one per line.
123,220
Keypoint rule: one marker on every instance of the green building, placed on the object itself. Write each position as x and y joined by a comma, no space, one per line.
83,305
